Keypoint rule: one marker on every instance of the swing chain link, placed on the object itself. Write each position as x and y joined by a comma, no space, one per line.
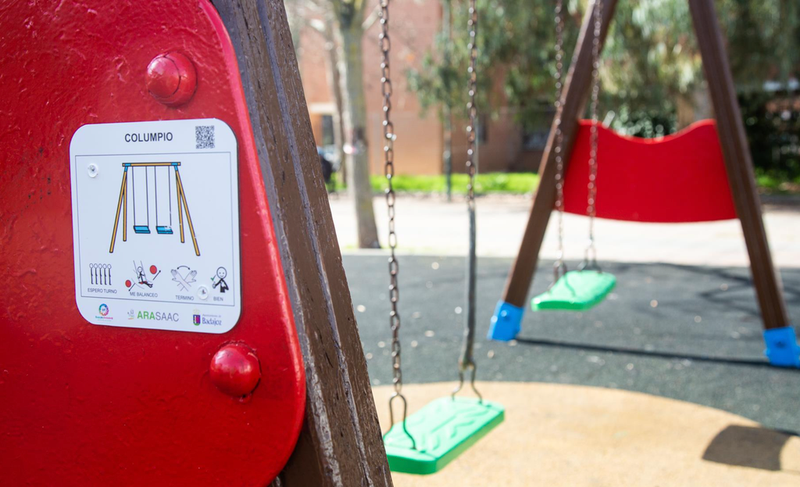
471,105
590,255
559,267
388,152
467,360
385,45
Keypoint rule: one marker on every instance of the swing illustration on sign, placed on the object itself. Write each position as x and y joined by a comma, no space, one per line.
143,227
141,279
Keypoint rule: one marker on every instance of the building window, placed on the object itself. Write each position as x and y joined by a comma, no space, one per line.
535,140
535,137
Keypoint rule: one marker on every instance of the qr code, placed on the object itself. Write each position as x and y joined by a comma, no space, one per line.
204,136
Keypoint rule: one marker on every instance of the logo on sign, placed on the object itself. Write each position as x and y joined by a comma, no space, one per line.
157,316
103,311
206,319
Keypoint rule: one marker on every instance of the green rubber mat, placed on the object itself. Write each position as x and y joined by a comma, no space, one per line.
442,430
576,291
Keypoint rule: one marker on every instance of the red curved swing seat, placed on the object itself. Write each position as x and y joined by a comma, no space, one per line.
677,178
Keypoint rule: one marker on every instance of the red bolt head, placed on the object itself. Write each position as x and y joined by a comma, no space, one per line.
171,79
235,370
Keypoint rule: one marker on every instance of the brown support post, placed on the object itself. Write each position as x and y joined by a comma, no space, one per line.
574,95
340,444
738,162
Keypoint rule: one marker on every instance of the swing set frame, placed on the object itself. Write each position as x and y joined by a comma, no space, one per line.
782,348
122,205
337,453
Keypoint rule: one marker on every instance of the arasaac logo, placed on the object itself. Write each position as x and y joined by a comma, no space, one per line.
157,316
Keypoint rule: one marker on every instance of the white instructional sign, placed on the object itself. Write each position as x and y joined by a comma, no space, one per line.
155,224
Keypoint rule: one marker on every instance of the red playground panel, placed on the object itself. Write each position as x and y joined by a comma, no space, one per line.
673,179
90,405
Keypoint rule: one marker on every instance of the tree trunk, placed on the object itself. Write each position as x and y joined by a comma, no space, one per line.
693,106
334,79
447,154
702,102
338,128
354,117
685,110
295,25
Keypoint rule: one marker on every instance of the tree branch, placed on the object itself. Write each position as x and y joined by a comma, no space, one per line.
318,25
371,18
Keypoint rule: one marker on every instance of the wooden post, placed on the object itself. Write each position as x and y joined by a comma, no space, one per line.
340,444
574,95
738,162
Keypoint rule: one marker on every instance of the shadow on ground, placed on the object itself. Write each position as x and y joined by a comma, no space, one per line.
748,446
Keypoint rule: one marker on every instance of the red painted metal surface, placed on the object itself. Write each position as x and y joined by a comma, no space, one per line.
171,79
677,178
97,405
235,370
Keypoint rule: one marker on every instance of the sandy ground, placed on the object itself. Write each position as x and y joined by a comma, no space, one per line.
583,436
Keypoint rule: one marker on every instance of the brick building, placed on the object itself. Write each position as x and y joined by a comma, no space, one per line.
419,145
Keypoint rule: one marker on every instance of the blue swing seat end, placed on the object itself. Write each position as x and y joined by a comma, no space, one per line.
782,348
506,322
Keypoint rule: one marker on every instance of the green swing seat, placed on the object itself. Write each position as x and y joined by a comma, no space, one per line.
576,291
442,430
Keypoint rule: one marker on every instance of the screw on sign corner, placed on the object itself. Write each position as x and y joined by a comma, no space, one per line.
171,79
235,370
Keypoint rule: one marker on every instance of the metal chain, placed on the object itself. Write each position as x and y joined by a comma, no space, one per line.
467,360
472,107
560,267
385,45
590,256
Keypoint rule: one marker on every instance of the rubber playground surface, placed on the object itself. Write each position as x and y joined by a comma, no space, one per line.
686,333
574,435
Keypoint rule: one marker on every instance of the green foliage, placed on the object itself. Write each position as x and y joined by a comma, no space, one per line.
650,60
769,181
509,183
772,123
774,184
510,63
645,123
